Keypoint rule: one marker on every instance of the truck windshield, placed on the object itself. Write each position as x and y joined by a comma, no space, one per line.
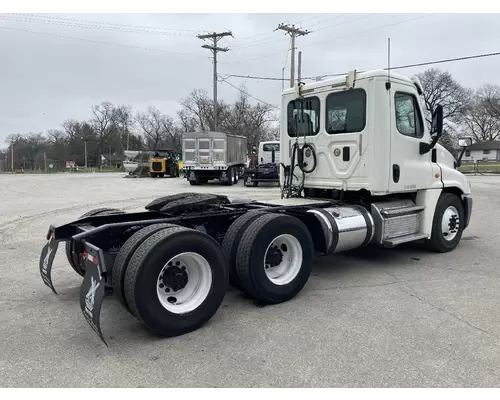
303,117
346,111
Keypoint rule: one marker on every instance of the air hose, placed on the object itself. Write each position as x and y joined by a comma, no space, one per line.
298,153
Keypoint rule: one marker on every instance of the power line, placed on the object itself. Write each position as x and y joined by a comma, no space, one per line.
103,23
267,40
98,41
447,60
345,22
93,27
421,64
367,30
335,38
309,18
327,19
249,95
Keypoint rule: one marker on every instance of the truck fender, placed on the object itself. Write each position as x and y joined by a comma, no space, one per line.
427,198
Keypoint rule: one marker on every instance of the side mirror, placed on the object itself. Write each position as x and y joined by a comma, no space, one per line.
437,122
464,142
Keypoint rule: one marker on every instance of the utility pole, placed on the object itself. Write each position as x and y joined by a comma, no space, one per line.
215,37
293,32
300,67
12,156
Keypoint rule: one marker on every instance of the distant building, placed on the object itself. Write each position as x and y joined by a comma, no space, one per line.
483,151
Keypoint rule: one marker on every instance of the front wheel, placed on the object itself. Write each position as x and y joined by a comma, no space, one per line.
448,224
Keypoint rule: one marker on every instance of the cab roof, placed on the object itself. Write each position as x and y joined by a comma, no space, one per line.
338,80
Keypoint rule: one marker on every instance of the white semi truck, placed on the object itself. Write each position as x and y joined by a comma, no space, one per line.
359,167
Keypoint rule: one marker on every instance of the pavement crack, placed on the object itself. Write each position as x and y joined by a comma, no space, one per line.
451,314
396,281
355,286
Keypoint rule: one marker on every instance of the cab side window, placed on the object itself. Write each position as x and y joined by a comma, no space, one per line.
409,121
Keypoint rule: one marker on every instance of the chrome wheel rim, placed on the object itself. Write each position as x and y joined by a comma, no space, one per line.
450,223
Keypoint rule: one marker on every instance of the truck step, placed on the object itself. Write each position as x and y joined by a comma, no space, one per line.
395,219
404,239
395,212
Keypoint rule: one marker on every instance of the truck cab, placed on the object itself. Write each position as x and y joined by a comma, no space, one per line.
364,137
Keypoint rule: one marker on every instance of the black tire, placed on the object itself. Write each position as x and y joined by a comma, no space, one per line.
161,175
251,252
232,240
125,254
236,178
437,242
255,184
74,259
230,176
141,278
245,181
152,175
174,172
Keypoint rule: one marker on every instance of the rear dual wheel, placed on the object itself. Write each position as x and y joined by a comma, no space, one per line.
270,256
232,176
171,278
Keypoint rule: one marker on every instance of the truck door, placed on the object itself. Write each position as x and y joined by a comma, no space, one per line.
409,170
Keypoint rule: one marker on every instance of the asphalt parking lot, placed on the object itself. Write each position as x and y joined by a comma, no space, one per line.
373,318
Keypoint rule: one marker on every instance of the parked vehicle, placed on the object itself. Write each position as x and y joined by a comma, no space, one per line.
267,168
213,155
366,169
163,162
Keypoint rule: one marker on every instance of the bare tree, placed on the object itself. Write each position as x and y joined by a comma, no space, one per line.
482,116
124,122
197,111
440,88
155,126
491,95
103,123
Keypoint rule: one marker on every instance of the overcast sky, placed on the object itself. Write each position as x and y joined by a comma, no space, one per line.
61,70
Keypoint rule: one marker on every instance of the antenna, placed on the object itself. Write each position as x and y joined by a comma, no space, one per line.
388,83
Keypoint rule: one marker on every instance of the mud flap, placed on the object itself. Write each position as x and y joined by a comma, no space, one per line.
46,260
92,291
